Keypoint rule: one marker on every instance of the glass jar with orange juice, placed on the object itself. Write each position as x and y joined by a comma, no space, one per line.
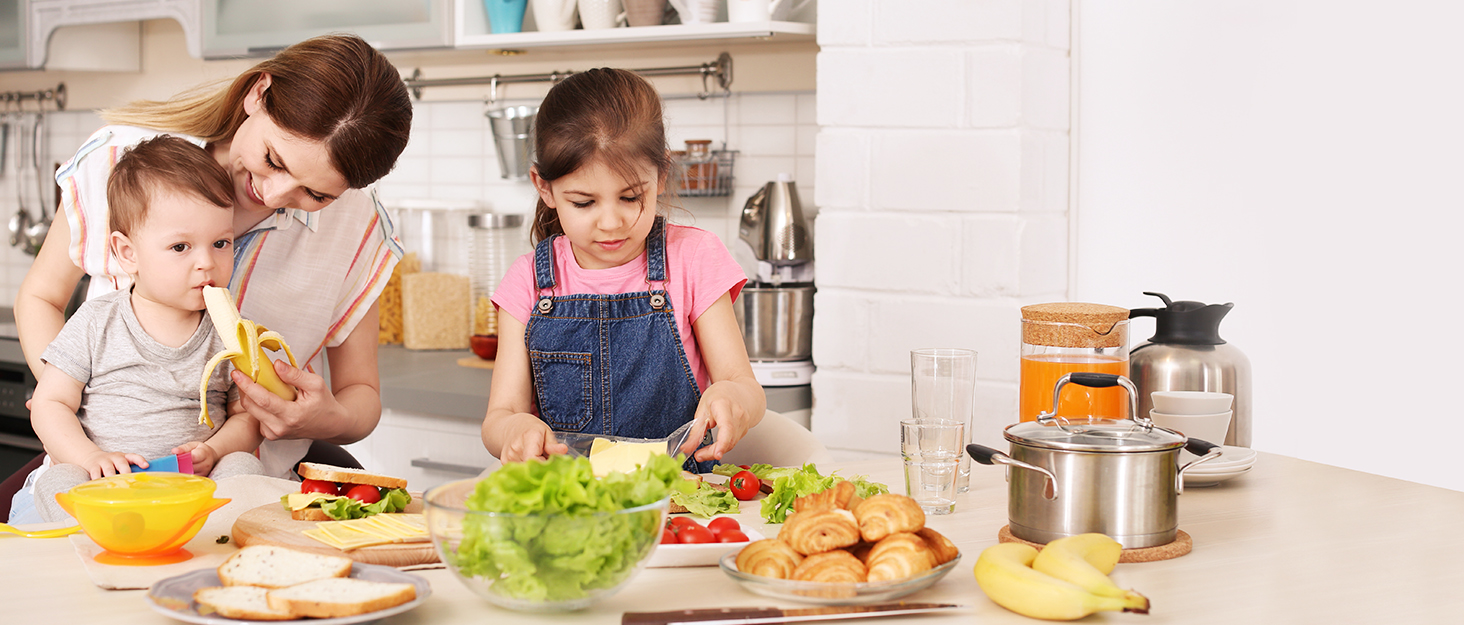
1063,337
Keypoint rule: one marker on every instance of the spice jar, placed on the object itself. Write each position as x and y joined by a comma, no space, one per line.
494,241
701,169
1064,337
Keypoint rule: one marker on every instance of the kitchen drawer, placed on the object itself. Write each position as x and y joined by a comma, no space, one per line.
425,449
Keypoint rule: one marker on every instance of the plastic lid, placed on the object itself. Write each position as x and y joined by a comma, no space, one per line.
1185,322
1093,435
143,488
1085,325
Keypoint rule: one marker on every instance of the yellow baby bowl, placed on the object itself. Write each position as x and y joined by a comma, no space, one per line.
142,519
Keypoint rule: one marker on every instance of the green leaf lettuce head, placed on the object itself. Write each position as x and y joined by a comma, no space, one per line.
342,508
707,501
790,484
556,537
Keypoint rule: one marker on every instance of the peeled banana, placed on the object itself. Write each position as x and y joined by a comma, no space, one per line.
244,345
1005,573
1086,560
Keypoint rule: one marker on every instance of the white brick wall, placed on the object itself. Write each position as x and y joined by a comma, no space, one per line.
942,167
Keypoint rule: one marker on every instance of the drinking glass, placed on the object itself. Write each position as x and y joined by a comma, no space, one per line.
931,449
943,386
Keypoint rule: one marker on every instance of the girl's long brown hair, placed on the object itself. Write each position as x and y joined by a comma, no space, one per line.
335,89
608,114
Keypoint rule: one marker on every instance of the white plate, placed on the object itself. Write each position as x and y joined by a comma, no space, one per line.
1210,479
173,597
704,554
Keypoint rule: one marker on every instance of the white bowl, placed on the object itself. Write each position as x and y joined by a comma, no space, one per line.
1191,402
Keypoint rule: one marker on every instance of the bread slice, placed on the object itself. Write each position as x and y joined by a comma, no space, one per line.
310,514
328,473
240,602
277,567
337,597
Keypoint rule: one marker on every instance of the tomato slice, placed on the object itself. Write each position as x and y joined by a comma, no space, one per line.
722,524
364,493
319,486
732,536
696,534
745,485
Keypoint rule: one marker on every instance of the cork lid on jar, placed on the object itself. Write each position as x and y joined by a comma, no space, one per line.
1074,324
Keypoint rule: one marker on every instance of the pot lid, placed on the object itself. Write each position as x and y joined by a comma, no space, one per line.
143,488
1094,435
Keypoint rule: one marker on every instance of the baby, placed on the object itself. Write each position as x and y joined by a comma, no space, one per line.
121,379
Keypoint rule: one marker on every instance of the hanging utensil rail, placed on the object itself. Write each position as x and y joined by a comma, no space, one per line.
720,69
56,96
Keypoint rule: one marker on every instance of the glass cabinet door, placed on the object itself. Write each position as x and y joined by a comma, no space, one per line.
259,27
12,34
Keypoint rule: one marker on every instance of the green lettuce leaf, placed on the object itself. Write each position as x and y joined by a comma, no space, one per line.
344,508
707,501
791,484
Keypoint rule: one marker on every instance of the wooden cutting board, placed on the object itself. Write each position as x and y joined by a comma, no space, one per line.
270,524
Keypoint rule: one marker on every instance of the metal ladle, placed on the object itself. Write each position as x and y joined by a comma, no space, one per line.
35,233
21,220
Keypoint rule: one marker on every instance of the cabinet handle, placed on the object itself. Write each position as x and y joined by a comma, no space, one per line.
448,467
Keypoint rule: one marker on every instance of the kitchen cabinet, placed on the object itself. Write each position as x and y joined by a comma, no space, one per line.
45,16
12,34
259,27
471,31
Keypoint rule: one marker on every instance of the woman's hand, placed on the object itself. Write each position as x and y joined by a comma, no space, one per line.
103,463
528,438
314,414
204,457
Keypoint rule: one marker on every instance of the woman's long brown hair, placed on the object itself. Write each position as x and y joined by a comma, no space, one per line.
335,89
608,114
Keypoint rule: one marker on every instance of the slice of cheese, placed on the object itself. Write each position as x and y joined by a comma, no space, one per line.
382,529
600,444
622,457
301,501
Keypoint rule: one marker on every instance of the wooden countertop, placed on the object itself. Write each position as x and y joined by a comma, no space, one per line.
1290,542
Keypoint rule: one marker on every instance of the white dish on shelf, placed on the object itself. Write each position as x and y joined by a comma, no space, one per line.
704,554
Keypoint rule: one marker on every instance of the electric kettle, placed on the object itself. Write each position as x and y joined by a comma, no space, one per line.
772,223
1186,353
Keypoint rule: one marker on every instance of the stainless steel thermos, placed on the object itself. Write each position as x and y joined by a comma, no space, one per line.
1186,353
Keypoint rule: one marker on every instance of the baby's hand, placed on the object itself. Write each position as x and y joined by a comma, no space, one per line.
534,440
103,463
204,456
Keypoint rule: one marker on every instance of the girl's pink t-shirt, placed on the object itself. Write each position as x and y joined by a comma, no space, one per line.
700,267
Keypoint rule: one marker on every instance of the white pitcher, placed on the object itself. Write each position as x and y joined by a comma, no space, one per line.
696,11
555,15
761,10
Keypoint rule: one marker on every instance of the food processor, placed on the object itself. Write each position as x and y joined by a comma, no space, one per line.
775,309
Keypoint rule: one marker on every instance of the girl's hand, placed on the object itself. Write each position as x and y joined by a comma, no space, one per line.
103,463
529,438
314,414
203,456
718,408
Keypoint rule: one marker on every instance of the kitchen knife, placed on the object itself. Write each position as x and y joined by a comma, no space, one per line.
754,616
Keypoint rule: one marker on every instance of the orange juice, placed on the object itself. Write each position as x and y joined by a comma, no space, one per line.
1040,372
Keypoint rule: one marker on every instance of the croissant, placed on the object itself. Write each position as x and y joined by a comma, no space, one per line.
817,531
941,547
836,496
885,514
836,566
899,556
768,557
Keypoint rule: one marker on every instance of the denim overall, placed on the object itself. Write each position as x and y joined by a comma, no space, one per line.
611,364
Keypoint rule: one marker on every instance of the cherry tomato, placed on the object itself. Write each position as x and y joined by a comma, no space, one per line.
364,493
319,486
668,537
745,467
695,534
732,536
722,524
745,485
680,522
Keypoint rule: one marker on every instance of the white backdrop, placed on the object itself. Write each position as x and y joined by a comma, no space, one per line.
1300,158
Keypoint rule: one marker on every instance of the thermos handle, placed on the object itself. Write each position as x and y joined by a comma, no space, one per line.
988,456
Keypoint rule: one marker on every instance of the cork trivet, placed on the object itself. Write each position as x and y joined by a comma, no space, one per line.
1182,545
1073,324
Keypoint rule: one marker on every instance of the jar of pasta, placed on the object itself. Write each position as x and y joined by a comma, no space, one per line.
494,241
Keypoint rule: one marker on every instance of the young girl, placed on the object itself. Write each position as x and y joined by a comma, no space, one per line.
618,323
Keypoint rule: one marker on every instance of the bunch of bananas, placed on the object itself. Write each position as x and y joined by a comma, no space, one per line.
244,345
1067,580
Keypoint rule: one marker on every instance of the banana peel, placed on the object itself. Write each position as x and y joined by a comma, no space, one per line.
245,343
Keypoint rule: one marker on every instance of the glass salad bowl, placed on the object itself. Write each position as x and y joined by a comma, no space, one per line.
540,562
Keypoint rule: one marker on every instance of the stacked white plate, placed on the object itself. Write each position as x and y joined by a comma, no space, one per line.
1233,462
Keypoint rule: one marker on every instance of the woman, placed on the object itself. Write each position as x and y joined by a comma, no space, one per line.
308,129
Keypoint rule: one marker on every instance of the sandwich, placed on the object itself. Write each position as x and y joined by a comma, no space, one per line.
337,493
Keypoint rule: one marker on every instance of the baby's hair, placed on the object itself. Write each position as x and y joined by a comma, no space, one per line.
153,166
605,114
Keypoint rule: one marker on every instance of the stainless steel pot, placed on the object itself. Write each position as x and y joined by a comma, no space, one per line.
777,322
1120,477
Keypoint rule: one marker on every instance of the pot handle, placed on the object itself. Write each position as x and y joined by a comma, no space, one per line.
1206,451
988,456
1093,379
